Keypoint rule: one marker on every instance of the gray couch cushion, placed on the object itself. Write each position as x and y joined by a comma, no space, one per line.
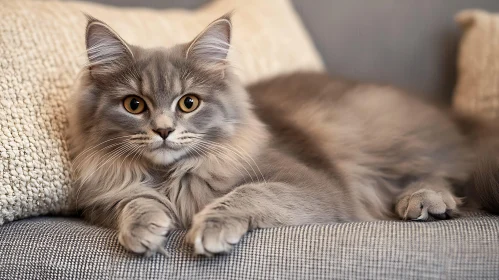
62,248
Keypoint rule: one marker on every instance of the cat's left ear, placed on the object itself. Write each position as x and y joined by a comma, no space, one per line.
211,47
107,52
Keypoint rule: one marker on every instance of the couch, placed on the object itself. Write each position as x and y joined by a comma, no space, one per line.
409,44
62,248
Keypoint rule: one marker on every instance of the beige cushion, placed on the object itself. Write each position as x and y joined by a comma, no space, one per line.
477,90
42,50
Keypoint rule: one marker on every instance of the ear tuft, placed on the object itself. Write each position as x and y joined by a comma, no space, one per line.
212,45
106,50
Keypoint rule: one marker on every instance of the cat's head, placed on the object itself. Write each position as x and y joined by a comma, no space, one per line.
164,103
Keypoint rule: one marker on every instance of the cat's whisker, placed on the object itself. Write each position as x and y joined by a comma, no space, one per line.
224,152
96,151
251,158
139,135
240,153
183,143
189,152
91,156
139,152
235,151
133,151
200,150
208,154
216,157
112,156
228,150
209,150
119,152
82,182
97,145
237,122
197,151
127,155
142,142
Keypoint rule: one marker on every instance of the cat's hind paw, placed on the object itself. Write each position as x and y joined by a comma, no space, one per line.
423,204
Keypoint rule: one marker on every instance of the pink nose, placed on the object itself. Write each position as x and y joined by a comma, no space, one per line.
163,132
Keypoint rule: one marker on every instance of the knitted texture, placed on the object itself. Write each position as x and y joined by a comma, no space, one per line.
477,91
42,50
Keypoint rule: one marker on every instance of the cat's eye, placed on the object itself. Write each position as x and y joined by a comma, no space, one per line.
134,104
188,103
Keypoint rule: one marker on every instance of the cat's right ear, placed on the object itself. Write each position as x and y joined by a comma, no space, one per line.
211,47
107,52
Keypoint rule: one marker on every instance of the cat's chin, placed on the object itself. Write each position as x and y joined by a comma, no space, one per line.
165,156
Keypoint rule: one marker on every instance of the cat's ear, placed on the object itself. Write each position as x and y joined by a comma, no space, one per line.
107,52
211,46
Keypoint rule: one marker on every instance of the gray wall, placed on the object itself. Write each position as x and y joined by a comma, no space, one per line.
409,43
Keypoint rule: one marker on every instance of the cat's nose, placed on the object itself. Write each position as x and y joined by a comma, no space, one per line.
163,132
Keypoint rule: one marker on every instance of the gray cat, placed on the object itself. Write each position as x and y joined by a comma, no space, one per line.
169,138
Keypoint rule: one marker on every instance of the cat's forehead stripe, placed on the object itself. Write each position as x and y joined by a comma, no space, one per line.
188,82
133,83
176,85
147,86
161,80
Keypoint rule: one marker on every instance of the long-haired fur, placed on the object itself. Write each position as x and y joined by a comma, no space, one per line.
296,149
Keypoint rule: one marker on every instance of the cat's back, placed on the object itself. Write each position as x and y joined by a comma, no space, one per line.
320,106
321,119
280,94
306,95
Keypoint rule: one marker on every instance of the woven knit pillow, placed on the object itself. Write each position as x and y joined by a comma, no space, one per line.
42,50
477,91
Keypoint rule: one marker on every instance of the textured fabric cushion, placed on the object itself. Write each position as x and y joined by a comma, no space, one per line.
42,49
477,90
58,248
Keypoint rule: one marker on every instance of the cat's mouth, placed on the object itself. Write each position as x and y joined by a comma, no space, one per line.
166,145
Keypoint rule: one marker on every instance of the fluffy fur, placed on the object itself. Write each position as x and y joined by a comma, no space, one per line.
297,149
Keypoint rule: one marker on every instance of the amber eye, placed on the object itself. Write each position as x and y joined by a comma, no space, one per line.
134,104
188,103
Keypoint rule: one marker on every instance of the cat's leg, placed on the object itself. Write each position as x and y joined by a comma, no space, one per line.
141,215
429,197
143,225
221,224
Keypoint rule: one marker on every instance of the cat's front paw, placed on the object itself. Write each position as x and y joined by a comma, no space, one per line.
423,203
143,228
215,232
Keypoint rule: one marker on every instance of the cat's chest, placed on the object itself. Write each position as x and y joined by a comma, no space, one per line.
189,193
192,185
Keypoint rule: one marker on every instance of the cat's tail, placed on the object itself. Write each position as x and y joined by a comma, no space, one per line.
483,189
485,183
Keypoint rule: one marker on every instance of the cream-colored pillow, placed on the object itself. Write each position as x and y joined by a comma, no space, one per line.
42,50
477,91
